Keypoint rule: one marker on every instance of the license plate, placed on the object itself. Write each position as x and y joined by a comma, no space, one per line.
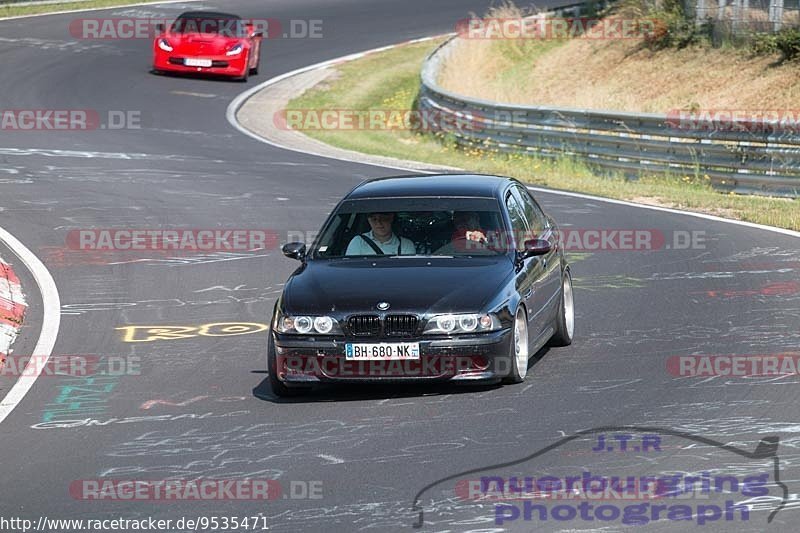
190,62
384,351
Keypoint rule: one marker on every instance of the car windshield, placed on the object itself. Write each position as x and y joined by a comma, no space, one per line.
444,227
210,24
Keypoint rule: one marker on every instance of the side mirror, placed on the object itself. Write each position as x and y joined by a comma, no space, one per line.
535,247
160,27
294,250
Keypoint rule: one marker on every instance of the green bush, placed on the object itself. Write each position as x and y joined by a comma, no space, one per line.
763,44
672,28
788,43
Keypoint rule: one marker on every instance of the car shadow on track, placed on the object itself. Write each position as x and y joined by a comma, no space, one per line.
348,392
196,76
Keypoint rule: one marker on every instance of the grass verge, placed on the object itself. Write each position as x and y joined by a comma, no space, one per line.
390,81
627,74
13,10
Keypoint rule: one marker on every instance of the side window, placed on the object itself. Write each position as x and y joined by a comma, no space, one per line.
533,213
338,236
518,225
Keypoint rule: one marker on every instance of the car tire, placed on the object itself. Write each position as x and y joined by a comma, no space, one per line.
565,321
278,387
519,351
254,70
246,74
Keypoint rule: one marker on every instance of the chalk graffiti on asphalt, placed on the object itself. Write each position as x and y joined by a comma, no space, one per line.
169,333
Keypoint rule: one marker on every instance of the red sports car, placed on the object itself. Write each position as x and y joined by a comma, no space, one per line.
208,42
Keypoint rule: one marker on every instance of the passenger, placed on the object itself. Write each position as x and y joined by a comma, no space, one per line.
381,240
468,233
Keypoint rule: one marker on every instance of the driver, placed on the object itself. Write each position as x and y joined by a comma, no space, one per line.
380,240
468,232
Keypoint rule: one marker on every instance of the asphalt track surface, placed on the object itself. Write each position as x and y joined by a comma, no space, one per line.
372,449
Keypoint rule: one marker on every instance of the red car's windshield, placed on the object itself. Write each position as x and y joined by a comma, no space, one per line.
232,27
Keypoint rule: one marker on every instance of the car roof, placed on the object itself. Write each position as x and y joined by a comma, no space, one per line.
463,185
214,15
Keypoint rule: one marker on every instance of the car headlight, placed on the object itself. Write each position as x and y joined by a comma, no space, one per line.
235,51
164,45
320,325
323,324
461,323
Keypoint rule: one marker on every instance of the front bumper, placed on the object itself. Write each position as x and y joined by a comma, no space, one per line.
304,361
221,65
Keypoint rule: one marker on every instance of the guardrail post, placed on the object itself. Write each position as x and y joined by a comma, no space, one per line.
776,14
701,10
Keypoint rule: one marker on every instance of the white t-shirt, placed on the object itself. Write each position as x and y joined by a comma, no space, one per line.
394,246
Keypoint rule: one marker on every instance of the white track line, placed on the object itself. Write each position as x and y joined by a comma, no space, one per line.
670,210
239,101
85,9
51,320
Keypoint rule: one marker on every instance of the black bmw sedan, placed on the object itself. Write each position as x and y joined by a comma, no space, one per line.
450,277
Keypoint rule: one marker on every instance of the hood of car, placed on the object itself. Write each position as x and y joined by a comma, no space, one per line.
201,43
414,285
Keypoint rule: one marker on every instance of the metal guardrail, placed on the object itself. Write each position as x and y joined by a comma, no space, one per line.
31,3
17,3
734,158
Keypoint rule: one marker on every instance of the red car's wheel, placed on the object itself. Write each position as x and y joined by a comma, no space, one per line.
246,74
254,70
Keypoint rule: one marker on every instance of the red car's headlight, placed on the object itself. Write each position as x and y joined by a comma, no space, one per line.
164,45
235,50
